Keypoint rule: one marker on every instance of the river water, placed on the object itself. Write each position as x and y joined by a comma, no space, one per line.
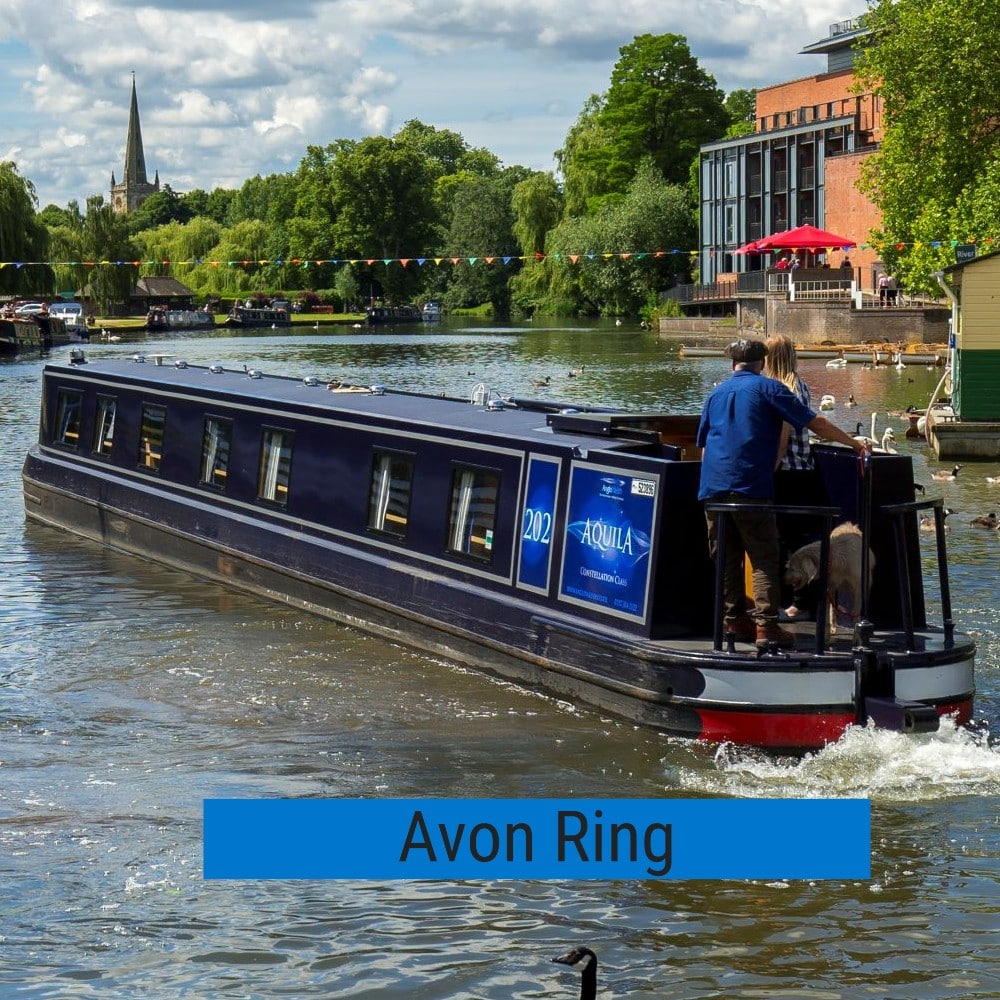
129,693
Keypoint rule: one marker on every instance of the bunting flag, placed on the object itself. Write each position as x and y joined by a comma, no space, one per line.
558,257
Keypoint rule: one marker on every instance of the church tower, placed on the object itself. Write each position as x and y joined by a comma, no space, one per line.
134,188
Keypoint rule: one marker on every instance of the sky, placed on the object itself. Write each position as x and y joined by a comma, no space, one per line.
229,89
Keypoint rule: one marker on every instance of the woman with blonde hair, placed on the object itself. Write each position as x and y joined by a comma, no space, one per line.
782,363
796,480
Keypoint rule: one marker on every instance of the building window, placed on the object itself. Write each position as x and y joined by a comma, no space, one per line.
154,420
104,425
215,442
275,468
730,223
389,495
730,191
472,512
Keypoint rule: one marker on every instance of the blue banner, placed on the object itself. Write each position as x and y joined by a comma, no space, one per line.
537,839
609,530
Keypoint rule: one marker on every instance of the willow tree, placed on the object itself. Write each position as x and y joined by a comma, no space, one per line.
927,64
24,240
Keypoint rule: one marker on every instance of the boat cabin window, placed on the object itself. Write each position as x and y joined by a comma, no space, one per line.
69,407
275,465
104,425
472,512
154,419
215,443
389,498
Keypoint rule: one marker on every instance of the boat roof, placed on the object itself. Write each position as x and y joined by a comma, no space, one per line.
577,425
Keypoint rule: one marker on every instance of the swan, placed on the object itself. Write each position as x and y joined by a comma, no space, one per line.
899,362
887,440
986,520
588,979
573,372
943,476
828,402
837,363
995,480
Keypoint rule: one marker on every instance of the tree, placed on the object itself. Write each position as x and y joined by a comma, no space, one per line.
660,104
381,198
741,106
110,273
537,204
941,122
23,238
158,209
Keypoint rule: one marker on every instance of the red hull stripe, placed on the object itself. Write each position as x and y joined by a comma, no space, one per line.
801,730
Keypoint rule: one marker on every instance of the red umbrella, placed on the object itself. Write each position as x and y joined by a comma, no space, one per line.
750,247
803,238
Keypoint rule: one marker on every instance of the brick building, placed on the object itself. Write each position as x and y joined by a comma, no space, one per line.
799,166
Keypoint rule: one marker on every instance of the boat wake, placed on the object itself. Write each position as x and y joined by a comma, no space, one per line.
864,763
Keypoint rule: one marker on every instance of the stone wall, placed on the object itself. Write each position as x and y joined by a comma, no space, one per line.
815,322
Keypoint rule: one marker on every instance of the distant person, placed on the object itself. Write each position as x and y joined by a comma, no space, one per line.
782,264
846,264
740,434
891,290
883,290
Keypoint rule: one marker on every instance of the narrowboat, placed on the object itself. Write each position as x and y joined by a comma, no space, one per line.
559,546
19,334
278,313
392,315
160,318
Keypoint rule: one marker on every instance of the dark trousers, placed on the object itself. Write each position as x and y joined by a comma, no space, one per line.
753,535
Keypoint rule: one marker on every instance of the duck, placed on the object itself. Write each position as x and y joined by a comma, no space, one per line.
541,382
588,978
927,519
943,476
986,520
828,402
851,401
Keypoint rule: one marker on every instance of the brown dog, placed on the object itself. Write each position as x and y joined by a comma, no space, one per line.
845,569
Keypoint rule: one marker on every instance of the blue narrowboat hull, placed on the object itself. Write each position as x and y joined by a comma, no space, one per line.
591,580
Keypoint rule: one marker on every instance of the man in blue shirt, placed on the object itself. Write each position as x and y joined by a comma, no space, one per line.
740,432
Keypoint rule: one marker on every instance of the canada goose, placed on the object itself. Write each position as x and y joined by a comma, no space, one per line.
828,402
946,477
851,401
588,979
541,382
986,520
927,519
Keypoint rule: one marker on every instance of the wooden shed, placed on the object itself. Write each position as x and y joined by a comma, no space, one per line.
976,374
167,292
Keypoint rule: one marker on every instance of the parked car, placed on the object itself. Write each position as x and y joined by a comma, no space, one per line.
30,309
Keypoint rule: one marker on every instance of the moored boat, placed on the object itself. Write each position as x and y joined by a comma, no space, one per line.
561,547
431,312
161,318
17,335
278,313
391,315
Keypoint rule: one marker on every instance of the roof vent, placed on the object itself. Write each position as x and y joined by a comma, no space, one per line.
310,380
77,357
254,373
216,369
139,359
181,363
377,390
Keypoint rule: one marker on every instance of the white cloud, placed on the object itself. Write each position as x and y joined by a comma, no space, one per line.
253,82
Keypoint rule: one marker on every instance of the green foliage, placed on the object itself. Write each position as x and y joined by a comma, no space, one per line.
660,105
23,237
927,63
537,205
158,209
104,239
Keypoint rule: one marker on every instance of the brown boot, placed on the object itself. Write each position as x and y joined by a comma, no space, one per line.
743,627
773,632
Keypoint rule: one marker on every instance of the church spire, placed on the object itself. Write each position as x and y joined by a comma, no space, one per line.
135,159
134,188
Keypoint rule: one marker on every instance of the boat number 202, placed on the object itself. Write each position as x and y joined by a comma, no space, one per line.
537,526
